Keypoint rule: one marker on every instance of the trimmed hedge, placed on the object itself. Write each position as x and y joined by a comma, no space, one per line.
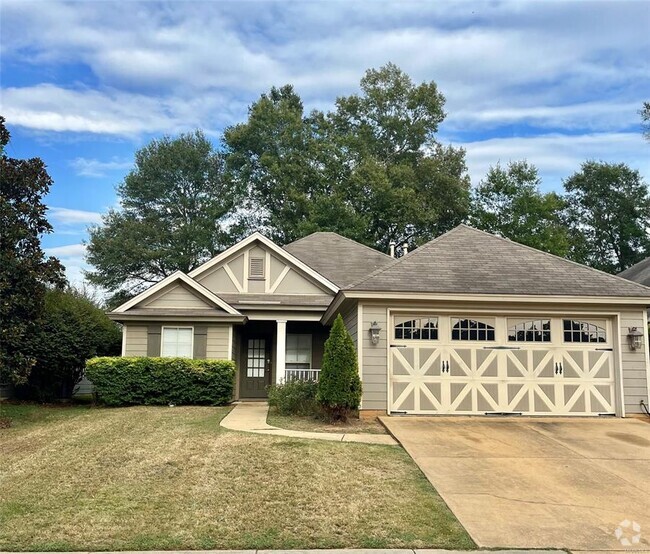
294,397
159,381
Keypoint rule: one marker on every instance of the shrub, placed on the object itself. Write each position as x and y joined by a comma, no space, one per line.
294,398
72,330
339,387
151,381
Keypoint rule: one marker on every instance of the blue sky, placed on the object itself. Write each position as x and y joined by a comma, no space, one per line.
85,84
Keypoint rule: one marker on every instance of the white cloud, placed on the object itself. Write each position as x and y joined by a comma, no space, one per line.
557,156
67,251
91,167
67,216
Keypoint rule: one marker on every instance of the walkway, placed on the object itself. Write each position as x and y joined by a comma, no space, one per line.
250,417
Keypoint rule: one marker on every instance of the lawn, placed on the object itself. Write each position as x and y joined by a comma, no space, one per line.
311,423
170,478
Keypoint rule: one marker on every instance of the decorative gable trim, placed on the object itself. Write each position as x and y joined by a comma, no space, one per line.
279,252
178,276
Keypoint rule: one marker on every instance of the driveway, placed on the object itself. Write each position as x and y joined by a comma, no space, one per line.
537,483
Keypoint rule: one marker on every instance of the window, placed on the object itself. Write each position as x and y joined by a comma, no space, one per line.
177,342
472,329
256,359
421,328
298,353
536,330
256,268
584,331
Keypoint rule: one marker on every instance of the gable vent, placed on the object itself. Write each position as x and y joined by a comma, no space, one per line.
256,268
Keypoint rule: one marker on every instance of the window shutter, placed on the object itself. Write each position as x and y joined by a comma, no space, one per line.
256,268
200,342
153,340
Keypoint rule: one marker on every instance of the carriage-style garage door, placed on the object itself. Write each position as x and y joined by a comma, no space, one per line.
442,364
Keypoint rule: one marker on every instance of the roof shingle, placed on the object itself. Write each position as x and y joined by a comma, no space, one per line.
339,259
639,273
469,261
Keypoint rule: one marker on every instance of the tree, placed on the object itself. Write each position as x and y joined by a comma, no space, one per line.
645,119
24,268
73,329
175,205
508,202
371,169
339,385
609,209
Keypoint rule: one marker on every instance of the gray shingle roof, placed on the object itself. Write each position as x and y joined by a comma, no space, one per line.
339,259
469,261
640,273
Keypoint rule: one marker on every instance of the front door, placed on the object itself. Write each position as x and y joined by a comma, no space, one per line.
256,369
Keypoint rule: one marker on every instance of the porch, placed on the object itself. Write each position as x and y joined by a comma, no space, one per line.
270,352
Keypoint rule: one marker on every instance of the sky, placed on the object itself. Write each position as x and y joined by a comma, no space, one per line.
83,85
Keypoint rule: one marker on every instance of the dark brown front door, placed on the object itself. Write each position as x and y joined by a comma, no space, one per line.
256,369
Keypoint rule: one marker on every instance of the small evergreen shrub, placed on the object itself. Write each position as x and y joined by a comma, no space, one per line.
339,386
158,381
294,398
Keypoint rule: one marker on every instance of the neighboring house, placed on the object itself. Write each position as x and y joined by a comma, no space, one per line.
639,273
468,323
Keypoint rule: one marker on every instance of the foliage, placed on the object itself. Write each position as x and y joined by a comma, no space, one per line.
508,202
339,386
174,206
24,269
609,211
159,381
294,397
645,119
72,330
370,170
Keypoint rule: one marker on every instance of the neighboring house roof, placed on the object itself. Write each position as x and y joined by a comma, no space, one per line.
341,260
639,273
469,261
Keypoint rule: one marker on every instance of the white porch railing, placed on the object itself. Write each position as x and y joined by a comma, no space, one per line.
301,374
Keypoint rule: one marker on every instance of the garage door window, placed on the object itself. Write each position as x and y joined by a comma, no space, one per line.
420,328
522,330
578,331
472,329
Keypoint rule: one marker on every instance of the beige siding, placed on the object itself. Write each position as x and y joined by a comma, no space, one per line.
350,318
178,296
136,340
635,370
219,342
374,358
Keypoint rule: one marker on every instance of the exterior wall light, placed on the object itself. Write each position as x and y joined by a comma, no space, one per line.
634,338
374,332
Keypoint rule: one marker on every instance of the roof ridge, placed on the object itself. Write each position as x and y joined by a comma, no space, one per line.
554,256
405,256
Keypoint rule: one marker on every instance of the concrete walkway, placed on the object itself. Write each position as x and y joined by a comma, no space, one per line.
250,417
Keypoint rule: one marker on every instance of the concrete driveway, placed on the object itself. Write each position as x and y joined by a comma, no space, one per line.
537,483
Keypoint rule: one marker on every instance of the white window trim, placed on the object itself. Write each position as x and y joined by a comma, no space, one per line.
602,323
162,338
437,317
311,349
528,319
480,319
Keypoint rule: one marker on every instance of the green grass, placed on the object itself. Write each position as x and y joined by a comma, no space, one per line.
163,478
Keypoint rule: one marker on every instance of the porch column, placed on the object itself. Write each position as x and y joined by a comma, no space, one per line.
280,349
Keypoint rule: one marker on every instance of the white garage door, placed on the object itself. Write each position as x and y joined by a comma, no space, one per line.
442,364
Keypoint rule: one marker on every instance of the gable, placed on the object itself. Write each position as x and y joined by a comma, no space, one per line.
257,269
176,296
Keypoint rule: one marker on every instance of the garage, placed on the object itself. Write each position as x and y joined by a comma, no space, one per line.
501,364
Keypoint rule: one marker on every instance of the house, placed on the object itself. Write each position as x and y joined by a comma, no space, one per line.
468,323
